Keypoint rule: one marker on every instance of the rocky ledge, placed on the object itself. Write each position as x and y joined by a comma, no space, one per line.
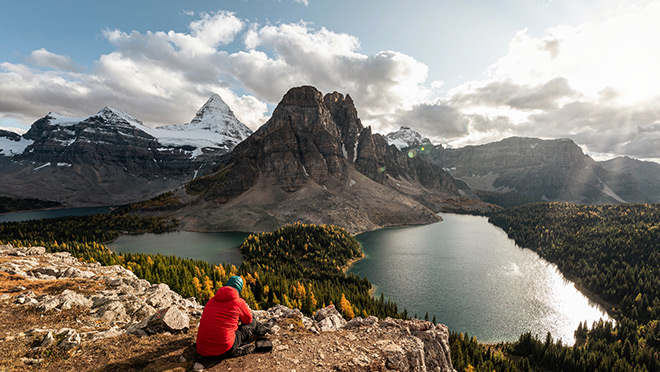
58,313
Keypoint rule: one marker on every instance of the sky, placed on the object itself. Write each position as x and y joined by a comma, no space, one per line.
459,72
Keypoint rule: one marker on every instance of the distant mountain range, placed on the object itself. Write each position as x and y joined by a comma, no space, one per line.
313,161
531,169
111,157
646,173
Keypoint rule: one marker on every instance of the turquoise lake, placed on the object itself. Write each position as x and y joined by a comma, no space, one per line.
474,279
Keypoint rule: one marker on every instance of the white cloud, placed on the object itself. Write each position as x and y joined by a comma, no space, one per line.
304,2
162,77
381,83
43,58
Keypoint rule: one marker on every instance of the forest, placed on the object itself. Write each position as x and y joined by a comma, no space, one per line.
14,205
612,252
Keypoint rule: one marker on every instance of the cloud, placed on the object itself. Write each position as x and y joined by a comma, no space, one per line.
44,58
304,2
507,93
594,83
437,119
381,83
164,76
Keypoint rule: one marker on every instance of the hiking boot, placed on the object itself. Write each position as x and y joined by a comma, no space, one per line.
264,328
243,350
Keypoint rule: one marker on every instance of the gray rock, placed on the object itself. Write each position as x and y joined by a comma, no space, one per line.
281,311
48,304
71,340
34,251
69,299
170,319
32,361
72,272
198,367
113,311
328,319
48,340
160,296
112,332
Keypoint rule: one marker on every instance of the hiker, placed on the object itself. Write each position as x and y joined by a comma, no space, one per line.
219,333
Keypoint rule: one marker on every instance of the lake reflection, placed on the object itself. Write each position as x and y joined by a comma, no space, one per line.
474,279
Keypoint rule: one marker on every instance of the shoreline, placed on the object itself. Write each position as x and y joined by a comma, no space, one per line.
351,262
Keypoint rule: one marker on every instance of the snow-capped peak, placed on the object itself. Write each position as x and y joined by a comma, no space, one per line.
216,116
406,137
113,114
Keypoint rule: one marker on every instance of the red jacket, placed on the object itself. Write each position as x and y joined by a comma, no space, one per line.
219,322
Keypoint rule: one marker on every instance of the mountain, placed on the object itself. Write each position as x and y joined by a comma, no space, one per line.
111,157
405,137
646,172
314,162
537,170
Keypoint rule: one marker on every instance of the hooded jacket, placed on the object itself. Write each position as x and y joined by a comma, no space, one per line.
219,322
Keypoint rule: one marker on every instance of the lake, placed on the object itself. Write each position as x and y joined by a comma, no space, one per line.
210,247
52,213
474,279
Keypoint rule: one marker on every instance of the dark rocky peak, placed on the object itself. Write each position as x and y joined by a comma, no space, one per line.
117,117
299,142
12,136
345,116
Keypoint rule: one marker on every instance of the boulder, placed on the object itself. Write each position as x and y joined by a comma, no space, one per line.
170,319
69,299
328,319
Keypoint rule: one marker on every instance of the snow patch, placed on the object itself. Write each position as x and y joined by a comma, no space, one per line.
352,183
58,119
43,166
195,153
9,147
355,154
343,150
64,164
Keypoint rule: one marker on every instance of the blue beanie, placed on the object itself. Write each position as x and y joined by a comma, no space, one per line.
235,282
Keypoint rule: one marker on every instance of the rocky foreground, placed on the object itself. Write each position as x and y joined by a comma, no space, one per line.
58,314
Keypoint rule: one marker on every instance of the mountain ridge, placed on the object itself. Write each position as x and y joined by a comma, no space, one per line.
111,157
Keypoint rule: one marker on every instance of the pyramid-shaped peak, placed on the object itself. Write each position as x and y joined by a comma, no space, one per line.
214,108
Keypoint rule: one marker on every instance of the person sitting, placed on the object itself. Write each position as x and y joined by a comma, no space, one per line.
219,333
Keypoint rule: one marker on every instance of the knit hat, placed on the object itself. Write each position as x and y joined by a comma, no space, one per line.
235,282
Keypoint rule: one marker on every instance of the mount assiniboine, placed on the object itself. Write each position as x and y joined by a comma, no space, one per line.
111,157
314,162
